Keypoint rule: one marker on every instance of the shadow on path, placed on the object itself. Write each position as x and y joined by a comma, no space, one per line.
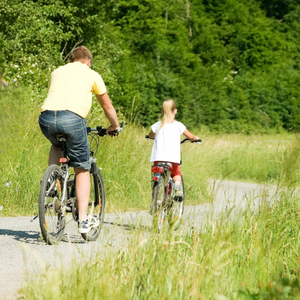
129,227
34,237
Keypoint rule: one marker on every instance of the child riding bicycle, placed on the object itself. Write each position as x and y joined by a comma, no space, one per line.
166,147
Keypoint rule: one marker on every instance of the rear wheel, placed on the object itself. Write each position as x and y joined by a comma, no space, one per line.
159,204
52,221
96,205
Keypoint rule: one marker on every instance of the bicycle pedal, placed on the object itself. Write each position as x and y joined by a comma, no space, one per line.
178,198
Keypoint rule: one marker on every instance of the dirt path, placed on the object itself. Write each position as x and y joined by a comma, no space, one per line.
23,253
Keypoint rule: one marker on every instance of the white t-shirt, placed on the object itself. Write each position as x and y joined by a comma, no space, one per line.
166,146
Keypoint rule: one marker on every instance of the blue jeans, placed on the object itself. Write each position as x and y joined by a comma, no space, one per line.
74,127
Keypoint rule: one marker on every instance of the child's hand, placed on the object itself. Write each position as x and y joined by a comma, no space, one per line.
194,139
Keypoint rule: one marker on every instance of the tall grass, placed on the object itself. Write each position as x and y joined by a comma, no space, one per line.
253,255
125,160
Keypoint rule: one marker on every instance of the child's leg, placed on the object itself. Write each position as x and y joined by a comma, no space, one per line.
176,176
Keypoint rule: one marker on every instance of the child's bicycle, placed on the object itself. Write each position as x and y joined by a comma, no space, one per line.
164,201
57,193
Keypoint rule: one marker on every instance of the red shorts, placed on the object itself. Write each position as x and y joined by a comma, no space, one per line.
175,170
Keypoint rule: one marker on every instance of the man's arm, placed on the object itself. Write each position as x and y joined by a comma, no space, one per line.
109,111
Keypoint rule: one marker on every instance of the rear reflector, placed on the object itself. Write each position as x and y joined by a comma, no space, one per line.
154,178
156,169
62,160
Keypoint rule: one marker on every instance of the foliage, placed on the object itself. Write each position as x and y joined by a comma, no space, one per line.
229,65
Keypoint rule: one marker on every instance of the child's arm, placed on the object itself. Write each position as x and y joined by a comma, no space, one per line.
151,135
190,136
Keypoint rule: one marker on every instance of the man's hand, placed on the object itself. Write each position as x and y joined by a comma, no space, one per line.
112,128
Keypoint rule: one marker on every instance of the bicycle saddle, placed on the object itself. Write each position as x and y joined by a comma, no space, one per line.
165,164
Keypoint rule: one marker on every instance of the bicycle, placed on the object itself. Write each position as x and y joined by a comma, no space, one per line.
57,195
164,201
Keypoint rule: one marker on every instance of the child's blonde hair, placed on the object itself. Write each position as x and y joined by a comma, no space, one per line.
167,109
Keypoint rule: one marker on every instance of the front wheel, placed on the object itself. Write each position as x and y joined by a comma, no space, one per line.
52,221
96,205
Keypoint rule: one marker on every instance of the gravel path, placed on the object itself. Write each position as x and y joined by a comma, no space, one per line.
23,252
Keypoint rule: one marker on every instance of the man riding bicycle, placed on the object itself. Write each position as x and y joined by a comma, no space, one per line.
63,112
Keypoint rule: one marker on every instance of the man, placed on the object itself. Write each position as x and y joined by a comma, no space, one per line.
64,110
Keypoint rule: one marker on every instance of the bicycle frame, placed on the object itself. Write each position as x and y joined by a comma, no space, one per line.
94,133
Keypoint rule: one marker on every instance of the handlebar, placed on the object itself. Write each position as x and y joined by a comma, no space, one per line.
183,141
102,131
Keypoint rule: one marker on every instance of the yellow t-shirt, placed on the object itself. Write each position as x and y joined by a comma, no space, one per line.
71,88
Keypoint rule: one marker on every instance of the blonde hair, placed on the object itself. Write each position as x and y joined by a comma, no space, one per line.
167,110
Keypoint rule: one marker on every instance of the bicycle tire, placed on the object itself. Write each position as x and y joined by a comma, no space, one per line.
52,221
159,203
177,209
96,205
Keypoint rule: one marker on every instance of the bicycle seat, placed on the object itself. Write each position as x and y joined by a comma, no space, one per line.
165,164
61,137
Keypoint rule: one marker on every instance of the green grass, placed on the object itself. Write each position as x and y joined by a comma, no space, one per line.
125,159
251,255
254,255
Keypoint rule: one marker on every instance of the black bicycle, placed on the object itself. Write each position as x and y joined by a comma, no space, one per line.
164,201
57,195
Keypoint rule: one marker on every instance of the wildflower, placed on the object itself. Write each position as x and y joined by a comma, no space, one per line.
8,183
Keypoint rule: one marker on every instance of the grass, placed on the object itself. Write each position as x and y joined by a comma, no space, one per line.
125,159
254,255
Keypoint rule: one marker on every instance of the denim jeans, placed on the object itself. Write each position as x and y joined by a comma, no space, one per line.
74,127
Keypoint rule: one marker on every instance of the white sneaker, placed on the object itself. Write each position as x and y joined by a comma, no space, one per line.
85,226
178,189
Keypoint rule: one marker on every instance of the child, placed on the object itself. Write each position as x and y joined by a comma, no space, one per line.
166,147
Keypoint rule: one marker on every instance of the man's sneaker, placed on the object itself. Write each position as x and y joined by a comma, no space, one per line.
178,190
91,222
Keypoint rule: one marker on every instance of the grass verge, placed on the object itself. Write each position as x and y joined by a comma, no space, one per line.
125,159
251,255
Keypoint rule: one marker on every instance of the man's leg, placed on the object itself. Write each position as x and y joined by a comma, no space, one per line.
54,155
82,188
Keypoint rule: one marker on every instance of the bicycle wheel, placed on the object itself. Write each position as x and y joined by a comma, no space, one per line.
52,221
96,205
177,208
159,204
